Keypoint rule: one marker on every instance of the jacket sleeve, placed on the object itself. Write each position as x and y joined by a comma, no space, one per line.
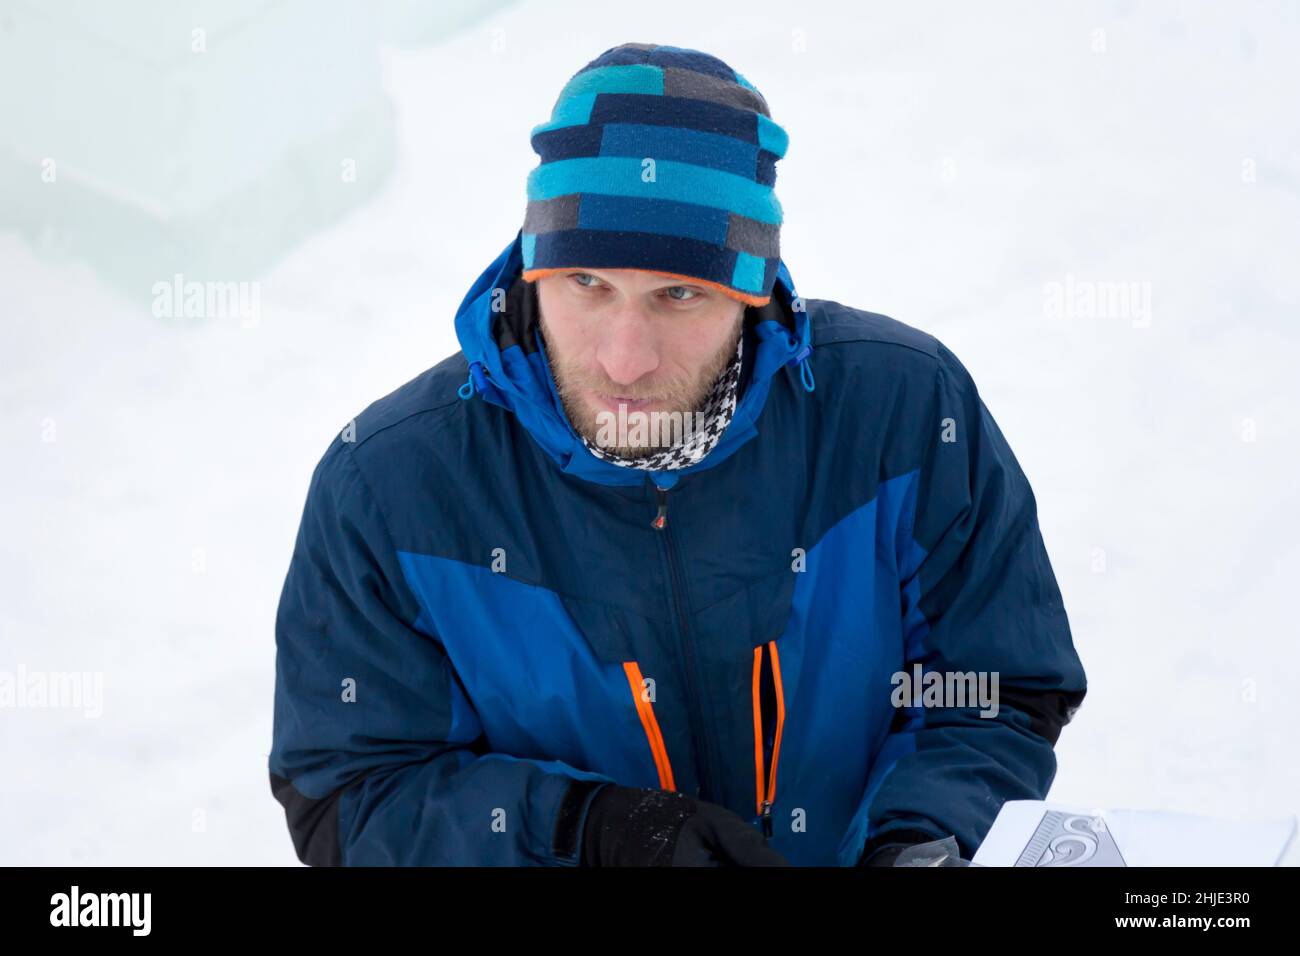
378,757
977,596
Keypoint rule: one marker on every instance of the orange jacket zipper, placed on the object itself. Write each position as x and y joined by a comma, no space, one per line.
645,710
764,776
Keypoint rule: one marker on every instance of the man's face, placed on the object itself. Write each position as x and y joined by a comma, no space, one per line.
630,337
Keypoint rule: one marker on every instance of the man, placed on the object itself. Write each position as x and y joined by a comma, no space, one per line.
515,631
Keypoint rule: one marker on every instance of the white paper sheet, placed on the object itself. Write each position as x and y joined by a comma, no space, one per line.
1039,833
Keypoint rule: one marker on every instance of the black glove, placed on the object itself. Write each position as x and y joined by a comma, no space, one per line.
632,826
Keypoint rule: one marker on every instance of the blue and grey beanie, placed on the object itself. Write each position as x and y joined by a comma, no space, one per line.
658,158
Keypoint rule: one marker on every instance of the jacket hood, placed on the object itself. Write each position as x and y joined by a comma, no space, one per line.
508,367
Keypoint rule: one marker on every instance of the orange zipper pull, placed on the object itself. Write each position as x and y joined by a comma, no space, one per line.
661,518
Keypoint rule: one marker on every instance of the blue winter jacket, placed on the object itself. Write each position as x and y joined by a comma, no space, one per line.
482,621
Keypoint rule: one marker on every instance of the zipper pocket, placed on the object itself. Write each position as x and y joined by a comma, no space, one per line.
765,743
645,710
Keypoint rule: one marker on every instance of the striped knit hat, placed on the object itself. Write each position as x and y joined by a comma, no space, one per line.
658,158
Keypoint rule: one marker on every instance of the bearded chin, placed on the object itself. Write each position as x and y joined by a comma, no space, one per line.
588,424
584,418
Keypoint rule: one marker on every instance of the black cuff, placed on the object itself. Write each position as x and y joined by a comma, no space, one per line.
566,843
883,848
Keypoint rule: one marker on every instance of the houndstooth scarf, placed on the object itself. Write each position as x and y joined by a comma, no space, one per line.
698,442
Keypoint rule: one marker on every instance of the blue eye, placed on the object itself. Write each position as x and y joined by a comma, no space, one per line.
693,293
580,276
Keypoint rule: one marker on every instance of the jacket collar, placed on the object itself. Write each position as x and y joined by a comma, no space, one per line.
508,367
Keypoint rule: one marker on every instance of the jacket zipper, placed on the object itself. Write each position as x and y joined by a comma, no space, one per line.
646,711
765,773
660,523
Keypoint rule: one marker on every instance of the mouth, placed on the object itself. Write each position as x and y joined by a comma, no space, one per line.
613,402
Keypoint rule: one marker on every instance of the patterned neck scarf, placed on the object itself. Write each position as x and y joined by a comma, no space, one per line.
696,442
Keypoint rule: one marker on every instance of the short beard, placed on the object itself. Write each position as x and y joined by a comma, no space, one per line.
683,398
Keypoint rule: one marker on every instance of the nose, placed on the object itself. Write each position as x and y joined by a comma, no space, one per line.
627,350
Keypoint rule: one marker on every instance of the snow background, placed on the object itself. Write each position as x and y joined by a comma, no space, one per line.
947,162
